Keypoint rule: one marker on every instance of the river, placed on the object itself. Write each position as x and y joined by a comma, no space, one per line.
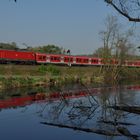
70,112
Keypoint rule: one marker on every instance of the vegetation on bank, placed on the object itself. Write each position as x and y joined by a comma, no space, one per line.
23,75
12,76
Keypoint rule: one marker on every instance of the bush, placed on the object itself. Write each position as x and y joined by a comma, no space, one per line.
42,69
53,70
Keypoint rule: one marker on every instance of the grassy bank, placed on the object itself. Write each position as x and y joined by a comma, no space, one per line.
12,76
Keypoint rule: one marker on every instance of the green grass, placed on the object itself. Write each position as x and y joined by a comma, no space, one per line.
34,75
39,70
31,75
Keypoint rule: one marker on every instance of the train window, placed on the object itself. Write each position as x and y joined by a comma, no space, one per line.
78,59
55,58
52,58
71,59
85,60
58,58
68,59
94,60
44,58
40,57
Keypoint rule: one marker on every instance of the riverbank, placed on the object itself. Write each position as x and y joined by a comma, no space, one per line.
13,76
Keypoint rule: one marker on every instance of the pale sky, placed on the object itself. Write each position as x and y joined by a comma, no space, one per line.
71,24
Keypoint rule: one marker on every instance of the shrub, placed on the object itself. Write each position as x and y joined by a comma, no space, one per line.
42,69
53,70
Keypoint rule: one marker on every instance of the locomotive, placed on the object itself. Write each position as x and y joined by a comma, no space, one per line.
25,57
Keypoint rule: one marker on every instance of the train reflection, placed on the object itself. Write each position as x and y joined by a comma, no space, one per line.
29,99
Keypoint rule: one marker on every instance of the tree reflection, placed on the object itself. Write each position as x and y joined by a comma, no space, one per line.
90,113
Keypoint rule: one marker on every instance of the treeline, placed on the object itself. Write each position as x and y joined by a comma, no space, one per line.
42,49
9,46
46,49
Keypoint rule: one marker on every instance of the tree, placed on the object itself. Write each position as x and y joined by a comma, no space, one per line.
50,49
99,52
116,47
116,41
128,8
109,36
124,46
9,46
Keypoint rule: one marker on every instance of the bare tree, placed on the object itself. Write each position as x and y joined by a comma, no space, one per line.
109,36
128,8
116,47
116,39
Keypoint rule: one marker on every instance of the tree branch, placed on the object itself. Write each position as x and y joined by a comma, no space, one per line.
124,13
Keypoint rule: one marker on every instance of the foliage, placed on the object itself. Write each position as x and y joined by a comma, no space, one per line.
42,69
53,70
98,52
9,46
50,49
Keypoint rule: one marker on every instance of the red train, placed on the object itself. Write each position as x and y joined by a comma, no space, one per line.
24,57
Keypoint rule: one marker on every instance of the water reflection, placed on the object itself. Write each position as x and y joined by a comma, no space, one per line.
112,112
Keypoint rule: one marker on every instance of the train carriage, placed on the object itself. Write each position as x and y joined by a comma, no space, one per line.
13,56
25,57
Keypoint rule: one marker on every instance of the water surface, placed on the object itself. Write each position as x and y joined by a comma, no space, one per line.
71,112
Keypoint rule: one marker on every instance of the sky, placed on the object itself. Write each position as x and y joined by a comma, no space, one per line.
71,24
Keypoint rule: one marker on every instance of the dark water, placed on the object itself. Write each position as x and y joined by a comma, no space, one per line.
70,113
